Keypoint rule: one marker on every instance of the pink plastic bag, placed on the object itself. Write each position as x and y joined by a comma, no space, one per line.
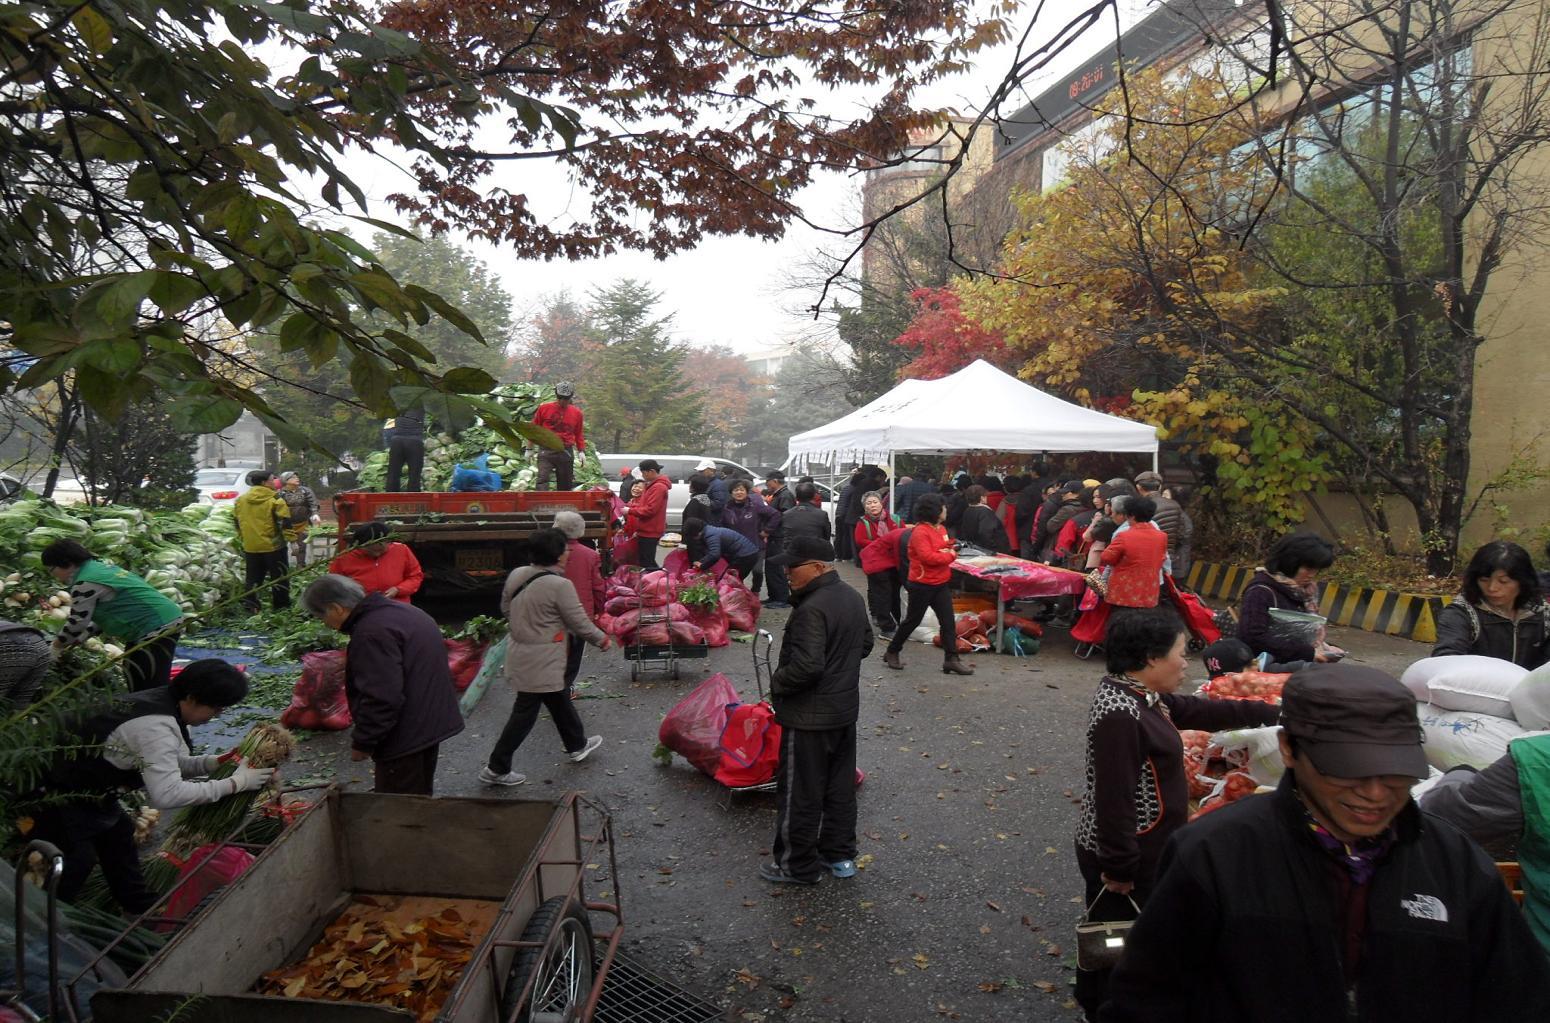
676,564
318,701
739,603
750,746
686,632
626,549
713,623
656,589
622,603
223,868
693,728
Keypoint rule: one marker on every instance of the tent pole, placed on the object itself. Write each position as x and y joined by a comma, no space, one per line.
893,482
1155,453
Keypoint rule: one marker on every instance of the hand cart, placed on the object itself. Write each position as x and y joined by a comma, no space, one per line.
645,656
53,864
537,959
762,669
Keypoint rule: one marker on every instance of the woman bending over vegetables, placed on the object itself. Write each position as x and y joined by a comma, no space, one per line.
119,604
139,741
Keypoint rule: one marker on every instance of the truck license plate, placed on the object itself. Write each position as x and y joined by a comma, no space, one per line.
482,559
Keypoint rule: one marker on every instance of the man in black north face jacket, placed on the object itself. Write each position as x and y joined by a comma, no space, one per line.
816,692
1335,898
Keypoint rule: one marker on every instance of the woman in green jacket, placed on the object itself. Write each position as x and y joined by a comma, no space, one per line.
119,604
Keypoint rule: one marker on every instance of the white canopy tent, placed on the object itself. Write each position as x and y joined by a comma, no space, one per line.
978,408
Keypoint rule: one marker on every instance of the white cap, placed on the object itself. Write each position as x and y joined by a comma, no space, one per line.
705,463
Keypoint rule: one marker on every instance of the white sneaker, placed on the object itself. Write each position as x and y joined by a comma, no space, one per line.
593,742
489,777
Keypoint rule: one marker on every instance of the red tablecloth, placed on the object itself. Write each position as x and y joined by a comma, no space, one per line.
1025,578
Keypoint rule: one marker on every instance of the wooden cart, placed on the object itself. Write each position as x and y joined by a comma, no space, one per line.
540,961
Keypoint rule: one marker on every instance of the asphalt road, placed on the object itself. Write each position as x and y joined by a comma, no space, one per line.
969,894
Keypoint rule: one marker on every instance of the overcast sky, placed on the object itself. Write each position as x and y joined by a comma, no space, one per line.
732,290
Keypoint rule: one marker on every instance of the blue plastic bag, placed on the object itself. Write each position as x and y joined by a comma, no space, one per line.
478,477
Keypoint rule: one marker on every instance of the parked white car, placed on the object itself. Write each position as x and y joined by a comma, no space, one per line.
221,486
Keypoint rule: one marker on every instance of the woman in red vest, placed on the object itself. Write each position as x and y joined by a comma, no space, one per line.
378,564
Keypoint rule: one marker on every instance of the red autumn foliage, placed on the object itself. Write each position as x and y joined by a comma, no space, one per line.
947,339
689,118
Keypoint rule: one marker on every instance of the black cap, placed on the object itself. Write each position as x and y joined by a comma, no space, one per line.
1353,722
649,465
1226,657
775,474
803,548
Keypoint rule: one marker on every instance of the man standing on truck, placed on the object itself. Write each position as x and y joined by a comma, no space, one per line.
564,419
816,693
396,680
405,438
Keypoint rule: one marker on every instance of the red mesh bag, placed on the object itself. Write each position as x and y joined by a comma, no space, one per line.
464,656
739,603
318,701
693,728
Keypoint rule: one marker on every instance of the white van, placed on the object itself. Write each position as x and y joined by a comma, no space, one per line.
677,468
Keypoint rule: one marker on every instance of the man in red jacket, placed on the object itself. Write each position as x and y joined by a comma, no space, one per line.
647,514
564,419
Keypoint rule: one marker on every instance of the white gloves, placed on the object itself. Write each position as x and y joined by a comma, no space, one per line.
249,778
317,520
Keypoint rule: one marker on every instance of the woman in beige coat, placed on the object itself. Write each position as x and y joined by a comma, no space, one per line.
541,607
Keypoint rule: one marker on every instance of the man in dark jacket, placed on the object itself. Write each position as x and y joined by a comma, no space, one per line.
719,488
1334,898
816,692
780,497
1070,506
396,680
905,495
1169,516
806,519
404,436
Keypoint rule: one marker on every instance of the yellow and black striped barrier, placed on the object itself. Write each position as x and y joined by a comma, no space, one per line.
1408,615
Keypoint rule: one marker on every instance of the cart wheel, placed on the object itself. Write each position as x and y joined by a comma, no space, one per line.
634,671
1195,645
562,977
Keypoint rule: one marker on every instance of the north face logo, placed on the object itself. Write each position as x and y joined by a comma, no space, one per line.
1426,907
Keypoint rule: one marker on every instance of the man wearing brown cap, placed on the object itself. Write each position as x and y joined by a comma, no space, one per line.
816,693
1334,898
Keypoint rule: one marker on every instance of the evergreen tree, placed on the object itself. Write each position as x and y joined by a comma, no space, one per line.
554,343
638,398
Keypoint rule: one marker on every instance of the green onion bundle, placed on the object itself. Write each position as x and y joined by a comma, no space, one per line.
266,745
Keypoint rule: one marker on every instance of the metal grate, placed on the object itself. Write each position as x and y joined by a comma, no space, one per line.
633,994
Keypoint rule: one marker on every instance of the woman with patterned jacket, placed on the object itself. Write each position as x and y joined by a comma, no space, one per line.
1137,794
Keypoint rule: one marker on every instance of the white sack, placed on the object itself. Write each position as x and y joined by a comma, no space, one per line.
1464,682
926,631
1465,737
1255,750
1530,699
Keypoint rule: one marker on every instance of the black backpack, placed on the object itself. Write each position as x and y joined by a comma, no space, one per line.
904,552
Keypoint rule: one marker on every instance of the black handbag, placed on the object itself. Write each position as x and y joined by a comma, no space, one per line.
1099,943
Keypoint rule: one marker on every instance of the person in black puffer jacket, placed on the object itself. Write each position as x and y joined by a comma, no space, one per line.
1500,611
816,693
979,524
1288,580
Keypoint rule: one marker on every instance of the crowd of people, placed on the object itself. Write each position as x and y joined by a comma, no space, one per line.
1324,900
